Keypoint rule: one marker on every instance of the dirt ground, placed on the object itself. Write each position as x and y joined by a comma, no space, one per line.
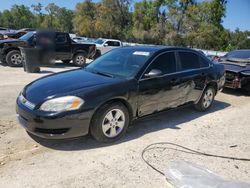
82,162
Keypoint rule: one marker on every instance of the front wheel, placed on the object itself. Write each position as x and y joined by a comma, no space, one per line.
206,99
80,59
110,122
14,58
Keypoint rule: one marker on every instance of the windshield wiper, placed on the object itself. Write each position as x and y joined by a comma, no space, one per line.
105,74
100,73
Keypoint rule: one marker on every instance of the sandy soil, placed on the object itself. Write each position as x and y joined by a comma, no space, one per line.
26,161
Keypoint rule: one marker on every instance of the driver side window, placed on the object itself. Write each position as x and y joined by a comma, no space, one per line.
166,63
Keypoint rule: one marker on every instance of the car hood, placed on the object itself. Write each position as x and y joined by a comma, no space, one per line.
62,84
236,66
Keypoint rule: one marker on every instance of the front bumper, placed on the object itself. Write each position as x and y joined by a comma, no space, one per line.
53,127
2,57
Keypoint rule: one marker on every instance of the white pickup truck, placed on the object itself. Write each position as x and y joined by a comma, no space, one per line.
105,45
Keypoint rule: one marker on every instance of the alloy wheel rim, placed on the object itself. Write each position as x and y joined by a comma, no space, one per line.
113,123
16,59
208,98
80,60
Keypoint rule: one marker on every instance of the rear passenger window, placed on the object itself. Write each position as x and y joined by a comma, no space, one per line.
189,60
165,62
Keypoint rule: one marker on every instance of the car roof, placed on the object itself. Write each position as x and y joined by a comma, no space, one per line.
241,50
109,39
158,48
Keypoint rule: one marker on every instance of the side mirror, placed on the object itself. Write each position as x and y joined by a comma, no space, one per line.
105,45
153,73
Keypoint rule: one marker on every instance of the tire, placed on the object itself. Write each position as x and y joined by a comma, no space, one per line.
105,124
66,61
80,59
14,59
206,99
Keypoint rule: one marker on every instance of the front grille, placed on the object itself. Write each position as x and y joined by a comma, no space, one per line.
230,76
51,131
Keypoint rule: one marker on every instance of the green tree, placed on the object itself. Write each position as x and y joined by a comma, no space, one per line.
65,18
84,20
52,10
39,16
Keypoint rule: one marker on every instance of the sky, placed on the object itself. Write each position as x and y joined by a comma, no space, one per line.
237,14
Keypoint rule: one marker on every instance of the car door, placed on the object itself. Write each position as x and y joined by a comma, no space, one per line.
62,46
193,74
161,92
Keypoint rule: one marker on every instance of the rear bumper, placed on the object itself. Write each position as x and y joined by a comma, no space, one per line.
68,126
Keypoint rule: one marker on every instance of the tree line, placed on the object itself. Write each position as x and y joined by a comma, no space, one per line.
188,23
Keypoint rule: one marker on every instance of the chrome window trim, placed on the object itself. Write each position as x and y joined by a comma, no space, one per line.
177,72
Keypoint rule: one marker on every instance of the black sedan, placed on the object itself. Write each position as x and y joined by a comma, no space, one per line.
117,88
237,67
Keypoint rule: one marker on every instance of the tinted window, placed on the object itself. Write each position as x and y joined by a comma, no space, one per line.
110,43
203,62
99,41
189,60
244,54
113,43
165,62
61,38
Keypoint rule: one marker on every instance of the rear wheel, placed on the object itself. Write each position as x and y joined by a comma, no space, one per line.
110,122
14,58
206,99
80,59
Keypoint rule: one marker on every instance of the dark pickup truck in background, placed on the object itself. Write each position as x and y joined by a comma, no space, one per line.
59,43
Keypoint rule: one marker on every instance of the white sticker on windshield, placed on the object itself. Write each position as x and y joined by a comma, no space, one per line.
141,53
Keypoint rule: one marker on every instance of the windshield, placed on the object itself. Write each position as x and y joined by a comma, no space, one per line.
241,54
99,41
27,36
123,62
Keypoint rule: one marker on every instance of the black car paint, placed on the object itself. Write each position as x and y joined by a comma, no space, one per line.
142,96
63,51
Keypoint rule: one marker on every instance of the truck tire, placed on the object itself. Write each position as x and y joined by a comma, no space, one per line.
80,59
14,58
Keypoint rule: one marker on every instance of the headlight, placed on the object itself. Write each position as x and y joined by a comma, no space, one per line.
61,104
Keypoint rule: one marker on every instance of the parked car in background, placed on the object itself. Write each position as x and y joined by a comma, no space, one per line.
105,45
80,39
60,46
15,35
237,66
4,30
27,29
117,88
